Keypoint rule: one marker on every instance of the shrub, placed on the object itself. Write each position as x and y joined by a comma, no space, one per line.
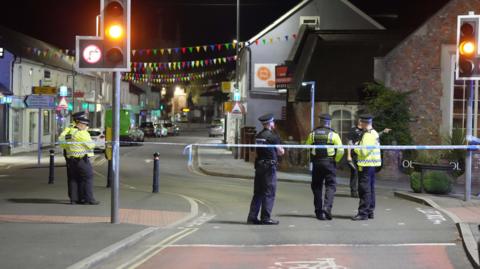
434,182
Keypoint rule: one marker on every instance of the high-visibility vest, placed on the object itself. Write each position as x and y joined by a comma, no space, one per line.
61,137
369,157
325,136
81,145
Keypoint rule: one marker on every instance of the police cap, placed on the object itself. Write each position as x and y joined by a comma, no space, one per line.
367,118
79,114
83,120
325,117
266,118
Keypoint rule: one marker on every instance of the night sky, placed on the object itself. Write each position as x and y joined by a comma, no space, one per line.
171,23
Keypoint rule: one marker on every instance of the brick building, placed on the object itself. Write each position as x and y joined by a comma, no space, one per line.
424,63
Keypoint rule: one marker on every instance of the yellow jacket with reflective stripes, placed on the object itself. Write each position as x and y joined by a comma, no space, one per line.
369,157
65,131
82,143
333,139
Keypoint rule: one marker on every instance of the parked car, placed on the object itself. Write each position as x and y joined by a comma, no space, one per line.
161,130
173,129
148,129
136,135
216,130
98,136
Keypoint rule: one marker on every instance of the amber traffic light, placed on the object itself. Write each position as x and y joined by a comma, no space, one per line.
467,47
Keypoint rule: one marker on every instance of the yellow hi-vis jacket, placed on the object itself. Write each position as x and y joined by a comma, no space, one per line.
65,131
369,157
331,138
82,143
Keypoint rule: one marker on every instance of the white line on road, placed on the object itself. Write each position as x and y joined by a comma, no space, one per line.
317,245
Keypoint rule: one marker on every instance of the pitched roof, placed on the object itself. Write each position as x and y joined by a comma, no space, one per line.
302,5
17,44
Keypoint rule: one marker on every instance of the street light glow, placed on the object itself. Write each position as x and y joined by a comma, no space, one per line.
115,31
467,48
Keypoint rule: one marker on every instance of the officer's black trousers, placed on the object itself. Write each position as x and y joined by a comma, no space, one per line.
324,172
73,190
366,190
265,186
354,178
83,175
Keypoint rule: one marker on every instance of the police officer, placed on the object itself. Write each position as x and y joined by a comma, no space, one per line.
265,183
71,183
368,160
353,139
324,166
79,152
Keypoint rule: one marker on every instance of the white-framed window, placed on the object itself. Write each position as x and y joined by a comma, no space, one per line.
461,90
343,119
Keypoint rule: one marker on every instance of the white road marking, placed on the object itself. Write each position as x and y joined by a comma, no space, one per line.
291,226
388,209
148,160
401,224
316,245
320,263
432,215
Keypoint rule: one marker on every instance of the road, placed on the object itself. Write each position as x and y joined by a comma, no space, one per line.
403,234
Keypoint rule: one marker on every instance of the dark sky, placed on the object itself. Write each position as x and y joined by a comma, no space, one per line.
170,23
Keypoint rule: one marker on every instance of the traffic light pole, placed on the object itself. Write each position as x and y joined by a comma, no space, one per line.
115,219
468,159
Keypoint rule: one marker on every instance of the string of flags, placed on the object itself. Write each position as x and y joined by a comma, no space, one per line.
52,53
148,67
169,78
209,48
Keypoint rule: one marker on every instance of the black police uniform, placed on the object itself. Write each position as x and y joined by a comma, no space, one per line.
73,188
324,172
265,183
354,136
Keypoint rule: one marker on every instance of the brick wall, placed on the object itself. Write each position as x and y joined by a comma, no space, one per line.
415,65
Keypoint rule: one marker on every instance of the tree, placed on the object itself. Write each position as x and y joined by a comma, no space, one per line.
390,109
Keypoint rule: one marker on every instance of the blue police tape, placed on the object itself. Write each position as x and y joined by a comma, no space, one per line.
286,146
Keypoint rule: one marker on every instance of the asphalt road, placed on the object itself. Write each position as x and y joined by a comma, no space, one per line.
403,234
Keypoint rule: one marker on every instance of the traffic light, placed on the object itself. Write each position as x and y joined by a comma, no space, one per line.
116,22
468,57
110,51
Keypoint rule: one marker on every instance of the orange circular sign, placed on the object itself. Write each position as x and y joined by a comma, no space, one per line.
264,73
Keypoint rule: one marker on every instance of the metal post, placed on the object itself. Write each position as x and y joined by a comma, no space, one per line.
156,172
468,159
39,155
51,177
312,110
116,149
237,72
109,174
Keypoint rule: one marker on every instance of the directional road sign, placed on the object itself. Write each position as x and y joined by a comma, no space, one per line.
40,101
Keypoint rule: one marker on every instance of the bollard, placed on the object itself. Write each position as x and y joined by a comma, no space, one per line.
109,173
156,172
51,177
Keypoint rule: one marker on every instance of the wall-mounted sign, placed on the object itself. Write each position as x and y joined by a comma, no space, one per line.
44,90
264,76
283,77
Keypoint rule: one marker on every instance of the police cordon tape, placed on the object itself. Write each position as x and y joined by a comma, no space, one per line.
286,146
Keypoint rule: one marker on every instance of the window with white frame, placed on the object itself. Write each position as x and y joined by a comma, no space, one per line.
460,97
343,118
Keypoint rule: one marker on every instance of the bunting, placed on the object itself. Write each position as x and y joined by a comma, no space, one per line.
155,67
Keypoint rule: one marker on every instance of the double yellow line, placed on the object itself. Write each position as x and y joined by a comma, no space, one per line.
157,248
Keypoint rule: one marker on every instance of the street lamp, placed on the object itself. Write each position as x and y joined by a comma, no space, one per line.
312,109
312,98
